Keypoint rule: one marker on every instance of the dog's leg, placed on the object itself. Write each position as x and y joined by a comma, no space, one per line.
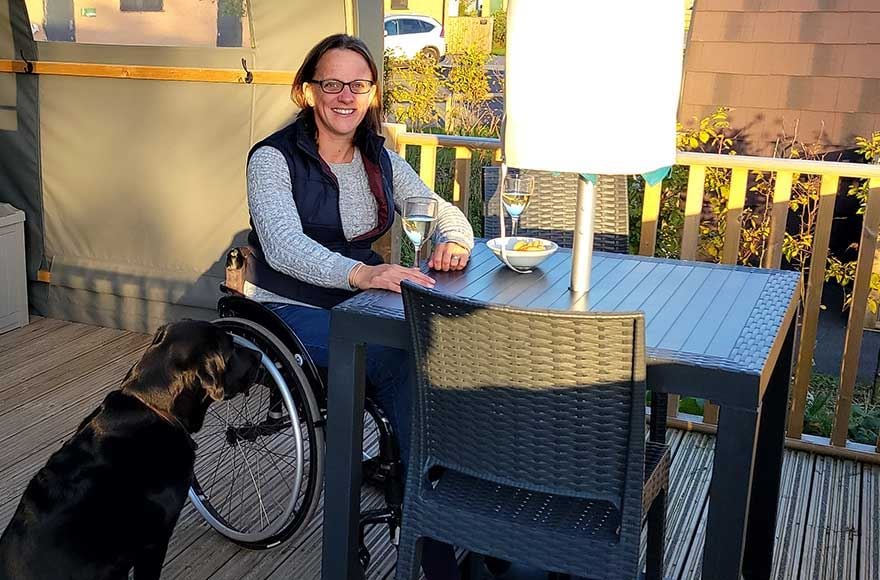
149,563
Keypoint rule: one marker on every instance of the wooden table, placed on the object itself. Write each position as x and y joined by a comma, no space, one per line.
723,333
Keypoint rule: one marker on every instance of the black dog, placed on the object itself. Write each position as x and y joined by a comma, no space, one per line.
108,500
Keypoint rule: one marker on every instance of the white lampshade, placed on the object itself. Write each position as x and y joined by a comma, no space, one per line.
592,86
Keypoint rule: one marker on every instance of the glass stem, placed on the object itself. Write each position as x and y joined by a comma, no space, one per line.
514,222
416,249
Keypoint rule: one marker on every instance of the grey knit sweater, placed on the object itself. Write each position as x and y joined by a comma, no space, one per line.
289,250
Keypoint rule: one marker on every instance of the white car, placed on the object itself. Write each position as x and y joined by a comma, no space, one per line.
409,34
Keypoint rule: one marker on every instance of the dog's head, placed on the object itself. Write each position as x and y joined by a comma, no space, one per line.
189,365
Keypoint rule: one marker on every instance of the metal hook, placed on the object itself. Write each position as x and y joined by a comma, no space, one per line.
28,65
249,76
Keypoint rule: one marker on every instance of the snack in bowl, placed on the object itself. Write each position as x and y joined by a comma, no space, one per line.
532,245
523,252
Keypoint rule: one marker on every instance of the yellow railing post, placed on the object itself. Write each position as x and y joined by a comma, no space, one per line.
388,246
461,187
693,209
778,219
730,253
827,194
428,165
853,342
735,203
650,219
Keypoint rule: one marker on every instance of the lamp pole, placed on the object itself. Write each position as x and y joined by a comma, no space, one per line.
582,245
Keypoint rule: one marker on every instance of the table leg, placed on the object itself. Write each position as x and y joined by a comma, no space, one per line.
345,426
761,534
729,493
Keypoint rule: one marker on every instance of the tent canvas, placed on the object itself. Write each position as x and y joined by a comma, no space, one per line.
135,189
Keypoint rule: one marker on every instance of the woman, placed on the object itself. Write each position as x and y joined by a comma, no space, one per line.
320,192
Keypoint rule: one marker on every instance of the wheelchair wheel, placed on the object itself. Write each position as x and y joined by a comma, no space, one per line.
259,465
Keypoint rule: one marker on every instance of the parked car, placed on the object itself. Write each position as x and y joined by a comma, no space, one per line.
409,34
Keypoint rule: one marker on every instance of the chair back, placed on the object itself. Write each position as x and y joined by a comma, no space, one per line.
547,401
551,213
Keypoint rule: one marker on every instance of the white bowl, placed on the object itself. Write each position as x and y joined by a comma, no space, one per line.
522,258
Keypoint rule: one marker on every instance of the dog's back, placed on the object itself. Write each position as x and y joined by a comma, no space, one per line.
113,490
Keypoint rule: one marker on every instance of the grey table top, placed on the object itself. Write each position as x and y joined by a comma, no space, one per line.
712,330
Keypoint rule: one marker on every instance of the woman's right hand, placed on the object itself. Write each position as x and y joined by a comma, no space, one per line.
388,277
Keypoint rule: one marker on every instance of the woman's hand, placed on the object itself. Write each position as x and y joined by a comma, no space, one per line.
388,277
449,256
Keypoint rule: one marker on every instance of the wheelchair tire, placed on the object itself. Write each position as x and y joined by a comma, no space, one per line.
259,465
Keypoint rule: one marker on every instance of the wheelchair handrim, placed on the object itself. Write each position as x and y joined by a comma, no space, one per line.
197,496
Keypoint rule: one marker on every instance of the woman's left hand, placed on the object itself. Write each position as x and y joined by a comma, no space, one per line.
449,256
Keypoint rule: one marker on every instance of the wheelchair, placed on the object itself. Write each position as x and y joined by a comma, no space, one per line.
259,467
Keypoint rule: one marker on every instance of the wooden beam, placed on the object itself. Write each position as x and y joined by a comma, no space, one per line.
141,72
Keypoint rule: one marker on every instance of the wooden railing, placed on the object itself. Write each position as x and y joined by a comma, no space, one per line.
785,171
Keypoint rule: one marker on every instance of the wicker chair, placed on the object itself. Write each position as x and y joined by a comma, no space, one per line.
529,438
551,213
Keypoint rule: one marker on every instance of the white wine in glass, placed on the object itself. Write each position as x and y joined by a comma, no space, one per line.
515,197
419,217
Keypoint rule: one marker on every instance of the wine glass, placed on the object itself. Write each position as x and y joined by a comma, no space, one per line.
515,197
419,215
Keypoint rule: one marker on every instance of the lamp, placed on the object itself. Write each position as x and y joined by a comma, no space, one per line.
592,88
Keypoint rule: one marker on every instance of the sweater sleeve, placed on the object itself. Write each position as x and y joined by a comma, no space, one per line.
452,225
286,247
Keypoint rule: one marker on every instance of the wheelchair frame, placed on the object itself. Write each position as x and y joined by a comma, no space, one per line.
385,470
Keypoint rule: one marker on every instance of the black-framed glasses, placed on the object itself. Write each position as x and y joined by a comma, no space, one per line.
334,86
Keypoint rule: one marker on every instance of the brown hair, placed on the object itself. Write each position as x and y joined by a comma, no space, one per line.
306,73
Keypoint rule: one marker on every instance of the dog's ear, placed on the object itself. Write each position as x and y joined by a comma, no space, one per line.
160,334
211,375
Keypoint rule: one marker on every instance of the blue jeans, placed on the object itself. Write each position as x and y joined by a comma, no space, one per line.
388,375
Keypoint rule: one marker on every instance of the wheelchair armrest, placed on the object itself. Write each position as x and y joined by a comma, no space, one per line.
227,291
235,267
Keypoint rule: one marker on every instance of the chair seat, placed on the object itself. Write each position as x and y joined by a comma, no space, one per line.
533,510
556,520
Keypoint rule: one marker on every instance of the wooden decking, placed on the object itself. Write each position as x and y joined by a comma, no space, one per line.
52,373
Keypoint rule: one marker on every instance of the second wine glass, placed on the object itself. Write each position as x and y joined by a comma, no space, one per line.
419,217
515,197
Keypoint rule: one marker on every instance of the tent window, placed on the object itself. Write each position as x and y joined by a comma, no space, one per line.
399,4
143,22
140,5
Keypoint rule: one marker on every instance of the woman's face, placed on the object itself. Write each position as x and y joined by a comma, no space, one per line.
340,114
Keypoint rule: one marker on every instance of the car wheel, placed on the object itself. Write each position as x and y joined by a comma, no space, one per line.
432,53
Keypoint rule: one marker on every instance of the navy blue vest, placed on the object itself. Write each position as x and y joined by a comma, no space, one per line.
316,195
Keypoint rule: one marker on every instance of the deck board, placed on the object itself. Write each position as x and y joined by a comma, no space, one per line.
869,549
831,539
53,373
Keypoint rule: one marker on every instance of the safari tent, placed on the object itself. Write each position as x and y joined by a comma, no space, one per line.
124,129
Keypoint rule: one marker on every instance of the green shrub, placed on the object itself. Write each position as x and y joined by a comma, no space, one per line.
499,32
864,422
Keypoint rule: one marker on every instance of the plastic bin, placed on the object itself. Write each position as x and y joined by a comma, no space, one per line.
13,280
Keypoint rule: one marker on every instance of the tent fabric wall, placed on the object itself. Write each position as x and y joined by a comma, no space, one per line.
143,181
19,130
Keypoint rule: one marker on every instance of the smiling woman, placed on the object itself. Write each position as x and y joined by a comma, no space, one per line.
320,192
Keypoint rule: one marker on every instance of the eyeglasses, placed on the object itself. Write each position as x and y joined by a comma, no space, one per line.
333,86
